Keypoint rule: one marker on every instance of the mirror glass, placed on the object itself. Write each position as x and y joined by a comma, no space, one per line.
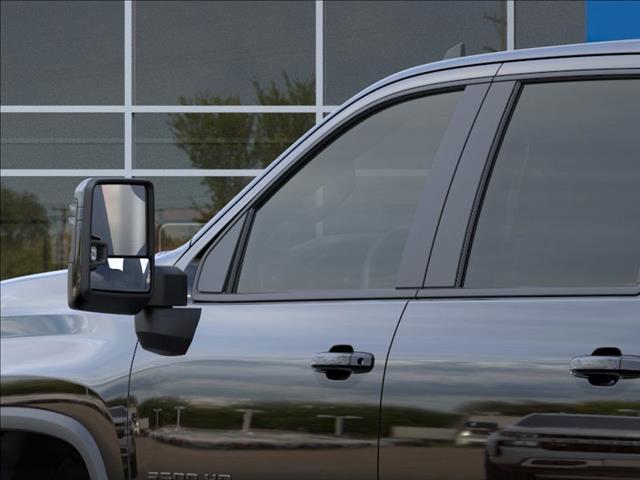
118,218
119,226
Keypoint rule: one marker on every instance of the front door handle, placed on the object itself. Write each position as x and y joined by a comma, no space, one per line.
341,361
605,366
355,362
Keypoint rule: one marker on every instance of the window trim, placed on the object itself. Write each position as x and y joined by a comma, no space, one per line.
405,288
467,208
449,242
306,295
520,292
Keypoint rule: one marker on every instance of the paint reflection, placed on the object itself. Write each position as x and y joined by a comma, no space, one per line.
492,380
576,445
257,440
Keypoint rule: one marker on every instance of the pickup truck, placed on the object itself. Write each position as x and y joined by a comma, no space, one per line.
457,245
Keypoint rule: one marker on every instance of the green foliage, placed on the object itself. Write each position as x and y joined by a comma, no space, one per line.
287,417
300,92
272,416
238,140
24,234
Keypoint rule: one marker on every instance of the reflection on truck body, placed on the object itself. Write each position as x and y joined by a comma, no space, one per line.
567,445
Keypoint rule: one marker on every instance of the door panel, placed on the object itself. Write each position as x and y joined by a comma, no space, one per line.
469,380
250,404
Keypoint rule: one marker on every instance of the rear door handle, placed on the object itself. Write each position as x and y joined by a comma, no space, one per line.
606,366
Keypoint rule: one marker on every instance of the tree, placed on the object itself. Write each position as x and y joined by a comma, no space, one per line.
237,140
24,234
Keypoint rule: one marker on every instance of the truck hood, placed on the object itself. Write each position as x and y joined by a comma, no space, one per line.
41,337
36,305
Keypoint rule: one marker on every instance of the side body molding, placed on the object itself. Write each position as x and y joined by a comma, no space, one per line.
60,426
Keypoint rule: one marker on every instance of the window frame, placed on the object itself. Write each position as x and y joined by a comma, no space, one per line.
422,232
445,277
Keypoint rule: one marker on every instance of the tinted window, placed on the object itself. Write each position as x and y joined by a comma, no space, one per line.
225,53
365,41
62,53
215,140
218,260
539,23
35,233
563,204
184,204
62,140
342,221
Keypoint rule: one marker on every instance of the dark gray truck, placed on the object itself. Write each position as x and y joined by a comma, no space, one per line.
457,245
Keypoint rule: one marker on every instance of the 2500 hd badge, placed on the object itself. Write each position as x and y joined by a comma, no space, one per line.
187,476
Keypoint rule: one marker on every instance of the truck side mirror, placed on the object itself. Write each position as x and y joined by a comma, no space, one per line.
111,266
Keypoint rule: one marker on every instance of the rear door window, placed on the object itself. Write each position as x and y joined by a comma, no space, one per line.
562,206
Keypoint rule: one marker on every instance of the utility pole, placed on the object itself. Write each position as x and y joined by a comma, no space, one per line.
157,411
178,410
246,417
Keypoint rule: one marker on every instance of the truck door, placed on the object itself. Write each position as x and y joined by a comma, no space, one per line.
519,359
299,303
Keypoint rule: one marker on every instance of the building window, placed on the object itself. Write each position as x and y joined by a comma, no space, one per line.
62,53
200,96
224,52
366,41
549,22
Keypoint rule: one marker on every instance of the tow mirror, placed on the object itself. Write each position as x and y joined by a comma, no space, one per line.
111,267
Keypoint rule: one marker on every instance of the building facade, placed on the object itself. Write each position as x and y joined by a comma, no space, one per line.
201,96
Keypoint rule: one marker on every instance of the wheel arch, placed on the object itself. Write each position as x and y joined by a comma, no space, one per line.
35,420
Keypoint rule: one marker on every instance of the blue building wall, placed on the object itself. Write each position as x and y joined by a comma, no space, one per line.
612,20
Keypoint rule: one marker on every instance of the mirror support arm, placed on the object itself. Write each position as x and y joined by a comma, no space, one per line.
170,289
161,328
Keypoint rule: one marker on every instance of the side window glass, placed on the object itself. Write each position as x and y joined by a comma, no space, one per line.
562,207
342,221
217,261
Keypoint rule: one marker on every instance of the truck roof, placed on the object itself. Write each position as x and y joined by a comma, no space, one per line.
560,51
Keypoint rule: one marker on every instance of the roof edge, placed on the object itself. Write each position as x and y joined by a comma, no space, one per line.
617,47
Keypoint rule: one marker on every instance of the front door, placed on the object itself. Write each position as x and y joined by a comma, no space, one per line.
245,401
528,365
299,305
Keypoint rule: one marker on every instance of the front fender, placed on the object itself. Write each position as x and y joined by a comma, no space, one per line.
72,413
58,426
69,363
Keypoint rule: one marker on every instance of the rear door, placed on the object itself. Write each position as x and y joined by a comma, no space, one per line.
300,298
536,262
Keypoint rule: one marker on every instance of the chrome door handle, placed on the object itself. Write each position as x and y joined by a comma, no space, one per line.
606,366
343,361
356,362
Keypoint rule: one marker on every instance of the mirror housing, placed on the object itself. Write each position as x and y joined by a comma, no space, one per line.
111,265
